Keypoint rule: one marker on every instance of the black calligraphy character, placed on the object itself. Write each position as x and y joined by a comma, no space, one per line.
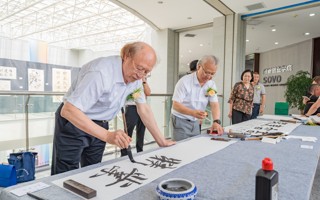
105,171
163,162
133,177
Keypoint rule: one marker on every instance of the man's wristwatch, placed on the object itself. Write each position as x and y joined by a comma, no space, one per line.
217,121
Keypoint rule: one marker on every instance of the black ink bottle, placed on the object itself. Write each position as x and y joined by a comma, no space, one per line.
267,181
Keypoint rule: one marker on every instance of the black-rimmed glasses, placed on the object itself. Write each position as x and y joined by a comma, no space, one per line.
207,73
140,70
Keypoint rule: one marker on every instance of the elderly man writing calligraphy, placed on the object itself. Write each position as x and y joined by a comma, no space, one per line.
94,98
191,96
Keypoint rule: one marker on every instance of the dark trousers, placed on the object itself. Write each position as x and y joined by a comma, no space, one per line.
255,110
238,116
72,147
133,119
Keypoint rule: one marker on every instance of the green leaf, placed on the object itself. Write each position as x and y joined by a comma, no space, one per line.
297,85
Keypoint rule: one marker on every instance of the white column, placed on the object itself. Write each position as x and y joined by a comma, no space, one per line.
165,75
229,47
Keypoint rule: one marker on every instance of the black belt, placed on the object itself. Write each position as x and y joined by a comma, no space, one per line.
100,121
189,120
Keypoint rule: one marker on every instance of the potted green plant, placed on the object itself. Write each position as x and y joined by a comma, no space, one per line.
297,86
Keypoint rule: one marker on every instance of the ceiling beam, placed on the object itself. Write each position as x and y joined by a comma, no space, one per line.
136,13
220,7
280,10
191,28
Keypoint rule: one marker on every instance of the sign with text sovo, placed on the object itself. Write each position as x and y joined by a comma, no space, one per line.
271,75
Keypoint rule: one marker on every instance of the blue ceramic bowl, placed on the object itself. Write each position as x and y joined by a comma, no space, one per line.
176,188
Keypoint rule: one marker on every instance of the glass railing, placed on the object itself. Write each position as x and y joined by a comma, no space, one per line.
27,122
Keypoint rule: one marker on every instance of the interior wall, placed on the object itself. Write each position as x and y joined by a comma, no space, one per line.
316,57
22,50
84,56
158,80
14,49
228,37
299,56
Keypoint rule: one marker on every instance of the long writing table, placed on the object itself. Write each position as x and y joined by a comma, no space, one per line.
226,174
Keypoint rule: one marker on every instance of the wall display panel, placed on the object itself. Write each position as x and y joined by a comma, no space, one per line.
33,76
35,80
5,85
61,82
8,72
61,79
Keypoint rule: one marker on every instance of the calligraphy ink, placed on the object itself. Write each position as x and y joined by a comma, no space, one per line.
174,189
267,181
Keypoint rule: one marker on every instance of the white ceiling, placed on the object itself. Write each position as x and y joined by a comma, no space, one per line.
178,14
290,28
72,24
103,25
174,14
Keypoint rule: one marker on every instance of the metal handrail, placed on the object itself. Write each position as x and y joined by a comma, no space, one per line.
27,109
26,106
28,96
13,92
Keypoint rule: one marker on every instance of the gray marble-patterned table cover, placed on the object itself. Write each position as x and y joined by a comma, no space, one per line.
227,174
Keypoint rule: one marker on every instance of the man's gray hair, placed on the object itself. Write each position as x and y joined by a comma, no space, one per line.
207,58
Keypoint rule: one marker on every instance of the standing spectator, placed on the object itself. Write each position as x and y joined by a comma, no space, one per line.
133,119
241,99
94,98
193,66
259,98
191,96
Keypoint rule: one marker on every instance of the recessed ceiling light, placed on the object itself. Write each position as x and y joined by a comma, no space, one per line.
201,45
312,14
276,43
189,51
306,33
247,40
189,18
273,30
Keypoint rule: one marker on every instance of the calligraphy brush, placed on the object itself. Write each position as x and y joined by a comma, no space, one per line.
129,152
